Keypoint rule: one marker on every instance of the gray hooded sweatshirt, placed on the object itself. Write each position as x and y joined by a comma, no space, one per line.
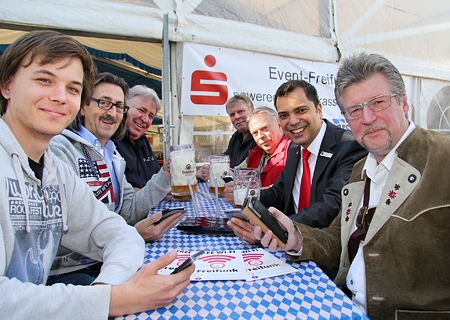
36,217
89,165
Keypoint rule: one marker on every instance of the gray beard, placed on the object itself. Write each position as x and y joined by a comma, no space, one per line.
388,147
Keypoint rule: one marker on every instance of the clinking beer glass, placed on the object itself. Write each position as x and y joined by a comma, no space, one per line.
219,167
182,171
246,181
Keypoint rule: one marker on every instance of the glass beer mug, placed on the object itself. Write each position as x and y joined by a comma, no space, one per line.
247,182
219,167
182,171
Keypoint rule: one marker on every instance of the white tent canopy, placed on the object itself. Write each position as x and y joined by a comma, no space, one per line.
413,34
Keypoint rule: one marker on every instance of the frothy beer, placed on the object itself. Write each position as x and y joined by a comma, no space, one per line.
182,171
239,196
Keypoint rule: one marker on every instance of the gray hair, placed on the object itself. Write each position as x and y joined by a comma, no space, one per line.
146,93
266,111
360,67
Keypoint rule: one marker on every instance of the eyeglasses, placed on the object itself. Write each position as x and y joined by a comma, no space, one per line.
376,104
107,105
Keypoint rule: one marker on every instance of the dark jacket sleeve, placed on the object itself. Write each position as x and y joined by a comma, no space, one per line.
325,199
322,212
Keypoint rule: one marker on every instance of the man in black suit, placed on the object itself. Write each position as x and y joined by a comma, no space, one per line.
333,153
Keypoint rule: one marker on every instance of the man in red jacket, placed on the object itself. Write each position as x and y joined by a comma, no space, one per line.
269,156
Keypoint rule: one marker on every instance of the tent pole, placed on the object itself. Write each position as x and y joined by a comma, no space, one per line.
165,87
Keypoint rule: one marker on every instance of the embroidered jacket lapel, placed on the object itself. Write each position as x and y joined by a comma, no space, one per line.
402,180
351,198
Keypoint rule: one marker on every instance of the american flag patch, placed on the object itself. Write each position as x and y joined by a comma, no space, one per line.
97,177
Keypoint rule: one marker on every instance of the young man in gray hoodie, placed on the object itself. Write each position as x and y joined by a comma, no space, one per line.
44,78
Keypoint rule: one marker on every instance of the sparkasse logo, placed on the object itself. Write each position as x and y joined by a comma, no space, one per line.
209,87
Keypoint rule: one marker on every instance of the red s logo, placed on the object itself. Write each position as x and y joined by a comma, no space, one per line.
219,91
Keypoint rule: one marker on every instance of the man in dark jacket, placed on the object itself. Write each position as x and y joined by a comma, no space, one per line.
134,147
239,108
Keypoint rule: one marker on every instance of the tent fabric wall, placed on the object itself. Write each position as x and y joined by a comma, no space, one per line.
137,20
105,51
412,34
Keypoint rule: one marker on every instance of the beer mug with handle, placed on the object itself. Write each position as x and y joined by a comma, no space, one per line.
219,167
247,182
183,171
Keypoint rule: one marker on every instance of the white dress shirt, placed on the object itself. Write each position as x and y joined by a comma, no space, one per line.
314,148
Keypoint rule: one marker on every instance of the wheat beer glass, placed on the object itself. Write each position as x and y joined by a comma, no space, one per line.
247,182
182,171
219,166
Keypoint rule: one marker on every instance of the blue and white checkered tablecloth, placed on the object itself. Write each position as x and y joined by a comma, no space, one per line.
306,294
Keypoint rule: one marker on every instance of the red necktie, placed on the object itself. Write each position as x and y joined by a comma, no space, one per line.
305,187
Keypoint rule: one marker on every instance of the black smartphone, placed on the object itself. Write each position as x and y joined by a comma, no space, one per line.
256,212
186,263
206,225
227,179
170,212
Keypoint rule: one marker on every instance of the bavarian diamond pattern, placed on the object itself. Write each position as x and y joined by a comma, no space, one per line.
306,294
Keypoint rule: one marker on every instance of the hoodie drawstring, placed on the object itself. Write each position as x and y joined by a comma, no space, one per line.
18,171
62,192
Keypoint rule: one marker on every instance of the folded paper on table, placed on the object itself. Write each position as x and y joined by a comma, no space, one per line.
246,265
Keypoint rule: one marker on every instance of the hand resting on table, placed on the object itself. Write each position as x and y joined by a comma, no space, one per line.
149,231
148,290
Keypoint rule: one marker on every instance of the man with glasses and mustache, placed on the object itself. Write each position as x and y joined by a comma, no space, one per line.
390,239
87,147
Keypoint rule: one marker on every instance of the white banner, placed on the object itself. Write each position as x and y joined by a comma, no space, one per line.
212,75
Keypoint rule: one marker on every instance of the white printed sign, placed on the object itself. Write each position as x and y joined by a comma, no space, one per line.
212,75
232,265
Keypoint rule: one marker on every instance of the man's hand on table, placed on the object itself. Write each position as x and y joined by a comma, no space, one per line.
148,290
149,231
244,230
295,240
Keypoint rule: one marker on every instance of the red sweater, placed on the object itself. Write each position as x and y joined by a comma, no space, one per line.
275,164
